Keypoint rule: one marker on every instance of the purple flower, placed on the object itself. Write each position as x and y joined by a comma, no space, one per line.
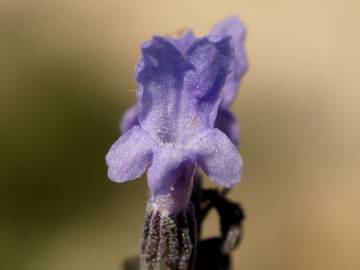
179,92
225,120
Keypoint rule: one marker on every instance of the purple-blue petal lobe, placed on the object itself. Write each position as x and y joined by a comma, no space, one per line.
129,157
160,82
218,157
234,28
211,59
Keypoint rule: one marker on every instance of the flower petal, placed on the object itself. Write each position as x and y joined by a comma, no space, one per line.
233,27
129,119
160,78
219,158
226,122
129,157
212,59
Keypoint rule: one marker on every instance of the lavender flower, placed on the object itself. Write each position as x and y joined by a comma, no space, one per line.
225,120
179,92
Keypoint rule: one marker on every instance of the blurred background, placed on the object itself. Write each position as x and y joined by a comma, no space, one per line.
67,75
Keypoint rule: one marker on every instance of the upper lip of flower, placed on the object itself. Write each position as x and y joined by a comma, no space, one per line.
174,88
226,121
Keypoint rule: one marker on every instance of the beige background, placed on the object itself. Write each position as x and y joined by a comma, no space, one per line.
66,75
